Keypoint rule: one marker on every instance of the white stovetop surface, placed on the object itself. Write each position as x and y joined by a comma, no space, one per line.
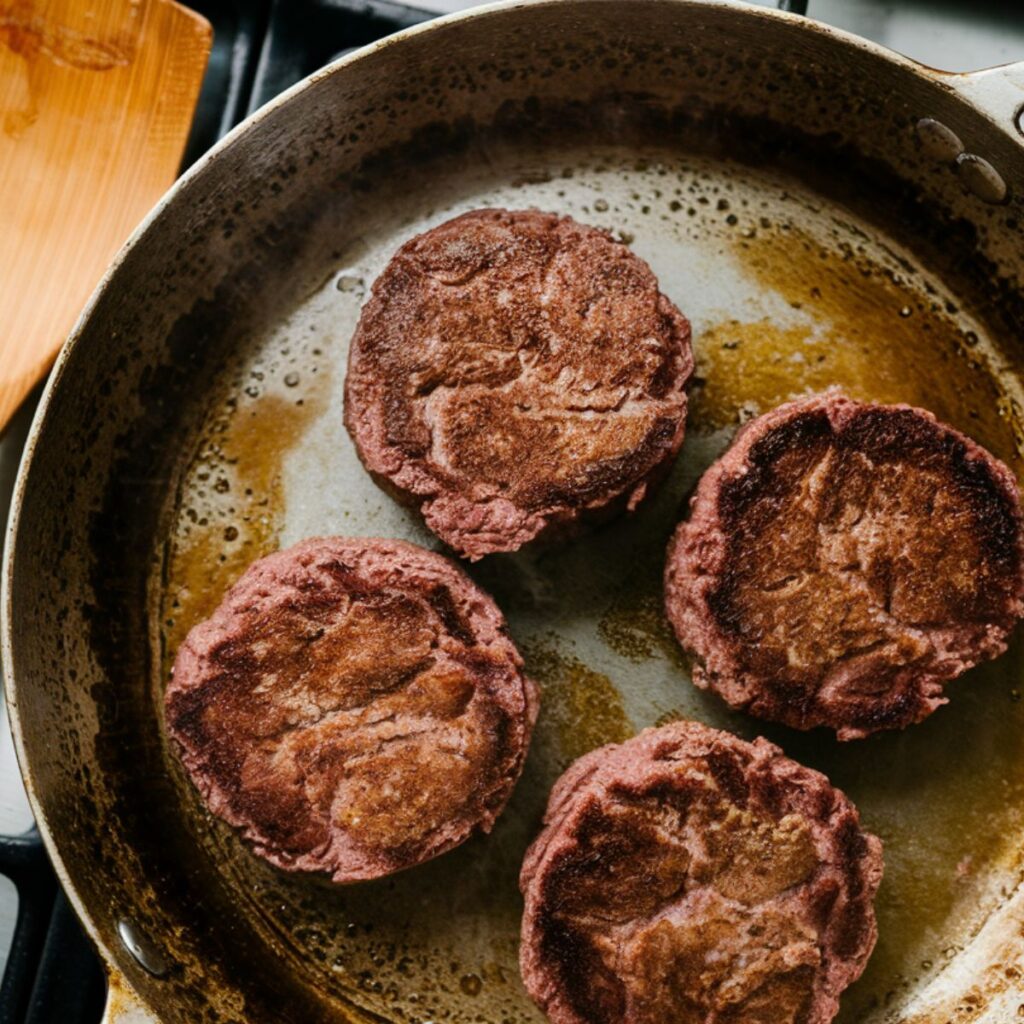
959,36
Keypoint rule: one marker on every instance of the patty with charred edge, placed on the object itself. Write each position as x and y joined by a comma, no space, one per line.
688,876
842,562
514,373
354,706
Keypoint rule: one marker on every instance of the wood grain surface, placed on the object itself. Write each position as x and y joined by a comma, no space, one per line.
96,101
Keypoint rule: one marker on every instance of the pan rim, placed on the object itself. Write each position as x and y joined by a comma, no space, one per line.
108,952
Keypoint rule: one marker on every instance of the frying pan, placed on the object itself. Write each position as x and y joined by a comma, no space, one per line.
824,210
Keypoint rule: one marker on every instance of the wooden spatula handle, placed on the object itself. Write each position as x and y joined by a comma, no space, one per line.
96,101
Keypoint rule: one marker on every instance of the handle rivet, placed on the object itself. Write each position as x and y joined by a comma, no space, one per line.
938,141
145,953
981,178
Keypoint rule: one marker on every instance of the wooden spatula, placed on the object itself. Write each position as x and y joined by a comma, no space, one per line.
96,100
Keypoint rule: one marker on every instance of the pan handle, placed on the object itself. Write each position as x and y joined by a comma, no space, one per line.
123,1005
999,92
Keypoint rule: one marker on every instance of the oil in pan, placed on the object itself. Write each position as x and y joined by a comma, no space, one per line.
787,294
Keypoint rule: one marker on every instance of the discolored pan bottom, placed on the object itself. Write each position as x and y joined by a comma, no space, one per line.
787,293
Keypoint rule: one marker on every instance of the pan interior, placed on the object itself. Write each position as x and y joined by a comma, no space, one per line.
787,293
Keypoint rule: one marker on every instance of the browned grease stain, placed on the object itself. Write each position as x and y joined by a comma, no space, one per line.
670,716
871,332
635,626
580,708
233,503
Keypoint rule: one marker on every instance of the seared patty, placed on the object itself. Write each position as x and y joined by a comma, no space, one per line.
354,706
687,876
513,372
842,561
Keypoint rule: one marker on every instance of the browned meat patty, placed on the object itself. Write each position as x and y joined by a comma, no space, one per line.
686,876
514,372
354,706
842,561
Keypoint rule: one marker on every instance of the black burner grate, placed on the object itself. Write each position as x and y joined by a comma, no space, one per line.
52,972
260,49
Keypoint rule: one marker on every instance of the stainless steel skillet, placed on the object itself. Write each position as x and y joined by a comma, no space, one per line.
824,210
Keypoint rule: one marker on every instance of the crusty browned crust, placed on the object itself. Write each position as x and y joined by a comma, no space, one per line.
842,561
513,372
687,876
354,706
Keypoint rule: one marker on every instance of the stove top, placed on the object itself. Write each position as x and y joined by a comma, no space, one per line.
50,973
